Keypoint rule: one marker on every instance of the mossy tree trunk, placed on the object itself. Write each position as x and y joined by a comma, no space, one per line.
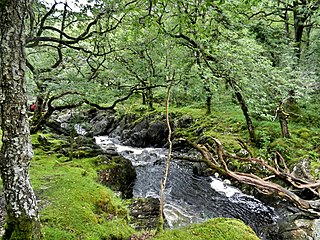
245,110
22,215
283,120
208,99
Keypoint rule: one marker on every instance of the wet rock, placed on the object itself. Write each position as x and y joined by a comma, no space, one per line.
147,134
157,133
184,122
144,213
300,229
103,124
137,139
119,175
149,131
201,169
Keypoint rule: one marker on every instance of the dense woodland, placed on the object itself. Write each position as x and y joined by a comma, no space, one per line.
249,68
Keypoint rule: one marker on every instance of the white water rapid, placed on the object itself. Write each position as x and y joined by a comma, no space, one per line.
189,198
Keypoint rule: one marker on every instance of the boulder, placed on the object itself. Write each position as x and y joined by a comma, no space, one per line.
144,213
149,131
119,174
299,229
103,124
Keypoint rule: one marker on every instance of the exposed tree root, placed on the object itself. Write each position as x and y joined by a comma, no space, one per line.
215,159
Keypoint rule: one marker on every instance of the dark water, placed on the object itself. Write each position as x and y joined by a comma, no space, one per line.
190,198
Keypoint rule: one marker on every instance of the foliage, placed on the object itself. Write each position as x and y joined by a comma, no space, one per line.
200,44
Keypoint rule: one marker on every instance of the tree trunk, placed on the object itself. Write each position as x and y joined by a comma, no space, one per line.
245,111
40,105
286,23
149,96
144,102
208,104
208,100
299,25
284,127
283,116
22,220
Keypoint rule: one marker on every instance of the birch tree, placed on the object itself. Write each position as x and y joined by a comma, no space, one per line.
16,152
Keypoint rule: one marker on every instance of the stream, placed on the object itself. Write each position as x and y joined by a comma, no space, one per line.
190,198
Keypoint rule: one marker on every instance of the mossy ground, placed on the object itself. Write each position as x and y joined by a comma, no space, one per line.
216,229
73,204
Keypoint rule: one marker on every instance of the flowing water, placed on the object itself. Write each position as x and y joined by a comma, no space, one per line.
190,198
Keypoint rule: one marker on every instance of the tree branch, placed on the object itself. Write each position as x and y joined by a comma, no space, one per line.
263,184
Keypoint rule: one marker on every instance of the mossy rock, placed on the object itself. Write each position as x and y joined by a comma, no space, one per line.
119,174
144,213
49,142
215,229
82,152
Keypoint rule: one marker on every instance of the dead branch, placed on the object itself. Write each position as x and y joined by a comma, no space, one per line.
168,159
263,184
283,174
245,146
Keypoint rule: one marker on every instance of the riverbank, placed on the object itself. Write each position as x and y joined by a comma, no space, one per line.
74,205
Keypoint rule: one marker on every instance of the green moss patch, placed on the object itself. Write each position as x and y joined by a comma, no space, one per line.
73,204
215,229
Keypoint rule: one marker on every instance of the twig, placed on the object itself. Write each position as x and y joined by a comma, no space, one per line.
165,177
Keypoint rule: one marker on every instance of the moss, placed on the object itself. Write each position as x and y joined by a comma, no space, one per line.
74,205
48,142
119,175
217,229
21,228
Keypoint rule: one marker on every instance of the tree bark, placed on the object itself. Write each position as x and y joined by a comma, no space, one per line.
283,118
245,111
208,99
300,19
283,123
22,220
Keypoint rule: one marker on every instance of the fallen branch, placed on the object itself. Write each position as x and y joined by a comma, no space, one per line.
284,175
262,183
